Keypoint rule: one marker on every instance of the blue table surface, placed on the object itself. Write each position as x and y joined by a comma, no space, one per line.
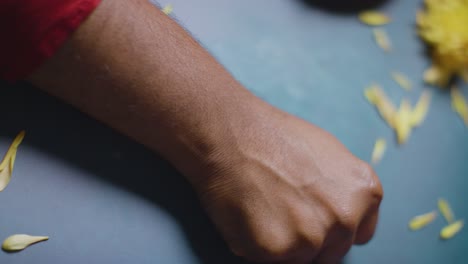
105,199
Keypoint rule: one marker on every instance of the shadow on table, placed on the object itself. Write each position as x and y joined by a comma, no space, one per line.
344,6
65,133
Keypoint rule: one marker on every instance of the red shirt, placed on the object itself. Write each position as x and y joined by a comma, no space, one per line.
33,30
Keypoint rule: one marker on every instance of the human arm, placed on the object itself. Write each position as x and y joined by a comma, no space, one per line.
277,187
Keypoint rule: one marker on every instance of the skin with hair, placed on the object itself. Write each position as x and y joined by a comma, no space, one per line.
279,189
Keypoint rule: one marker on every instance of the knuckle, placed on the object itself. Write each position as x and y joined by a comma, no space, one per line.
270,247
372,183
365,169
311,227
316,243
347,221
276,249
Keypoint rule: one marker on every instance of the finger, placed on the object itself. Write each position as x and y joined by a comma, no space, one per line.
368,223
304,254
333,255
367,228
340,243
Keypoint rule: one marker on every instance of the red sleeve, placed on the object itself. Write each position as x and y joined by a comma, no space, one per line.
32,30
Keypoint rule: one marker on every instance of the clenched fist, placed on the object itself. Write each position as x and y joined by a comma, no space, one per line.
286,191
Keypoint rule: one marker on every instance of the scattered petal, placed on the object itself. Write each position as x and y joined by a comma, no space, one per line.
421,221
459,104
402,122
445,210
12,160
421,109
167,9
6,166
6,158
437,75
379,150
382,39
5,175
451,230
18,139
21,241
402,80
374,18
371,94
376,96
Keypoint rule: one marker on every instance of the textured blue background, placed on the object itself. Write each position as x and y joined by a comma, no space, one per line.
104,199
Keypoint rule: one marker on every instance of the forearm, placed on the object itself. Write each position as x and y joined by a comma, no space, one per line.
132,67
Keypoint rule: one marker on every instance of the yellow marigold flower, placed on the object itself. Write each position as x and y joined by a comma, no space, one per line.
443,26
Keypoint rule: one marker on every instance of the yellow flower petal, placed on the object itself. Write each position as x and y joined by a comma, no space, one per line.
459,104
374,18
370,93
402,122
451,230
5,175
379,150
21,241
445,210
6,166
376,96
18,139
437,75
402,80
12,160
421,221
382,39
421,109
167,9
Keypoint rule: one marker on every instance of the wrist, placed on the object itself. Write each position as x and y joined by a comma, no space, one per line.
202,147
